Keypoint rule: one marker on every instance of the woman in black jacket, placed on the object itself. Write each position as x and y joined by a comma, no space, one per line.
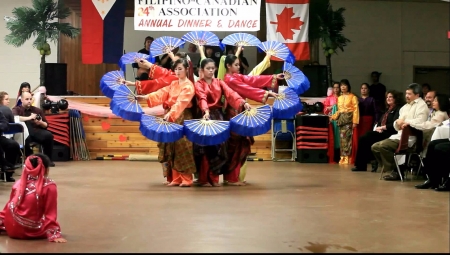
384,129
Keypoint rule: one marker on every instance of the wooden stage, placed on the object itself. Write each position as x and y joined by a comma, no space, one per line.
115,136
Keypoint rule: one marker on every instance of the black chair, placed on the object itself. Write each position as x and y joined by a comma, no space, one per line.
15,128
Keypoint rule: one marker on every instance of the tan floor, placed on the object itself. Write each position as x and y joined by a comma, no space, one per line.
121,206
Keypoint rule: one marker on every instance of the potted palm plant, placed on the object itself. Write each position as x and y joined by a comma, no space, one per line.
40,21
326,26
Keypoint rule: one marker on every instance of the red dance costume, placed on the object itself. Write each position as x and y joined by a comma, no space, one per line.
209,97
159,77
31,210
239,147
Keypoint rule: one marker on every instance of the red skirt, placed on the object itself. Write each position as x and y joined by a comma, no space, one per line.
365,125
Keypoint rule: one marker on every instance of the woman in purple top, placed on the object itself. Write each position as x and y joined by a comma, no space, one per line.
368,112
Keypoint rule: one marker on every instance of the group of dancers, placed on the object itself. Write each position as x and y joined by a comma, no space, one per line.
208,97
31,212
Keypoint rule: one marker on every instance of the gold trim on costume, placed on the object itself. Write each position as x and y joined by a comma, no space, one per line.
274,80
137,84
151,73
266,95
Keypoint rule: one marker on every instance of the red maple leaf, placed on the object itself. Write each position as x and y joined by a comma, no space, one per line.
286,23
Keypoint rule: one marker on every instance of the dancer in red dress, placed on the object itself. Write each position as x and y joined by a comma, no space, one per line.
209,90
247,86
32,209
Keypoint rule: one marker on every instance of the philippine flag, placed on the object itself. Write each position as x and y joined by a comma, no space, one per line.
102,30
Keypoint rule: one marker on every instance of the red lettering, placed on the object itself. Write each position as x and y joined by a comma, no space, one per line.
155,23
194,23
242,24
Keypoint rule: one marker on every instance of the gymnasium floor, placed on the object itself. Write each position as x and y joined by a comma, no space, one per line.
121,206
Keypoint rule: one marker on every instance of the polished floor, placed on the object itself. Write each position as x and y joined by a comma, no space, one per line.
122,206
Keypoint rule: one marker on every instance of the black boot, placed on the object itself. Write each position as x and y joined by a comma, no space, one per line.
374,166
5,164
444,187
359,169
430,183
6,176
394,176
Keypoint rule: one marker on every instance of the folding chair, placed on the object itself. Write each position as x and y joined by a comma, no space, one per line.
404,149
15,128
283,130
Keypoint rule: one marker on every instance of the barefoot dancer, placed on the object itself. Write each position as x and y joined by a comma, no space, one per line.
209,91
32,209
250,87
176,99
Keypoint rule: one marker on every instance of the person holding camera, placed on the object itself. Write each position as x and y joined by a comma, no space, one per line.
37,125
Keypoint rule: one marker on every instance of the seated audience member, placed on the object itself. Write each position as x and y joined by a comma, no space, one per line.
142,73
31,212
429,98
425,89
166,61
37,125
24,87
192,48
436,166
10,146
384,129
4,164
414,112
438,115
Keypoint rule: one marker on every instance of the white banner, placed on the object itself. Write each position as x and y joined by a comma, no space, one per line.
192,15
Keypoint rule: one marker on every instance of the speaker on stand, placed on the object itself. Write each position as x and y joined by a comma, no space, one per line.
318,78
56,78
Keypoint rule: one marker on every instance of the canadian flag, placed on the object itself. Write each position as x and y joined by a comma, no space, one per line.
287,22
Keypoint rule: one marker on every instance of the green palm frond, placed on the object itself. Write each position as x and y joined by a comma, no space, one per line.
41,22
327,25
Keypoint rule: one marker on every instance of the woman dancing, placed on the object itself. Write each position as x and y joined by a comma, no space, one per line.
32,209
159,77
209,91
239,147
347,118
176,99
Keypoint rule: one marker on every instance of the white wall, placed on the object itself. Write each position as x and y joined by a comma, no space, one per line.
21,64
391,37
134,41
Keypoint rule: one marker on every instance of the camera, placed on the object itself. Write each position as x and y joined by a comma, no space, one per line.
38,117
54,107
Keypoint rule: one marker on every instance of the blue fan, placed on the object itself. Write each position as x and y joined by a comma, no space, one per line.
295,79
164,45
201,38
110,82
278,50
125,105
159,130
286,105
130,58
207,132
256,121
241,39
